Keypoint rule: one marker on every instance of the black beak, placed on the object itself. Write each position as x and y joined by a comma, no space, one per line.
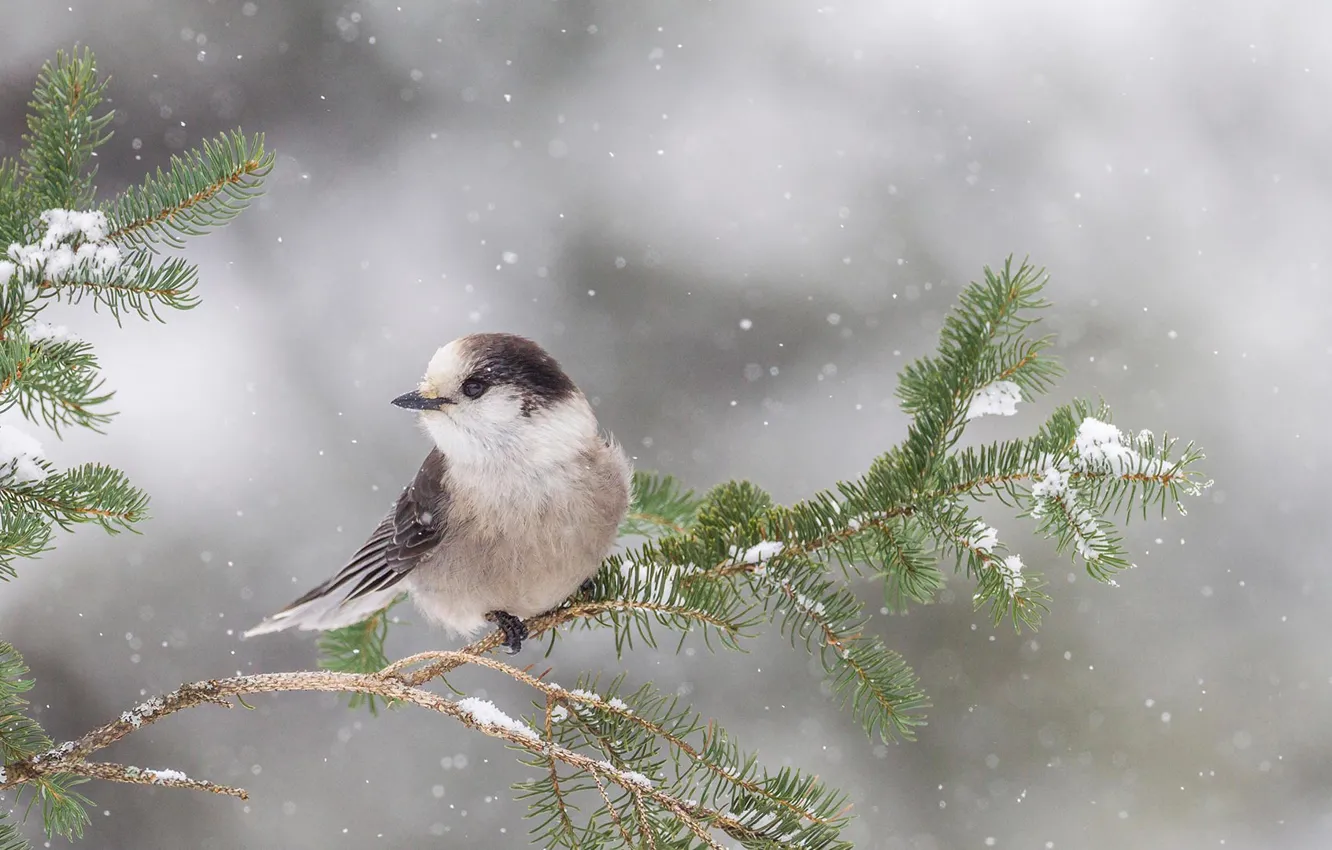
415,401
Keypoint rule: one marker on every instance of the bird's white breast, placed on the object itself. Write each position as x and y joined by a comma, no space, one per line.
528,520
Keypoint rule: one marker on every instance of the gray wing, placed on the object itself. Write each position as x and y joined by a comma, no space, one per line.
413,528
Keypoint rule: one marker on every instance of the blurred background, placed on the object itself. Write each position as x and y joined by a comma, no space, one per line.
732,222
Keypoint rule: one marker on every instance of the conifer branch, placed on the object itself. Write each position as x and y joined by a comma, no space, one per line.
128,774
136,285
63,132
660,505
22,535
697,817
22,740
200,190
55,381
613,812
589,611
88,493
563,828
55,246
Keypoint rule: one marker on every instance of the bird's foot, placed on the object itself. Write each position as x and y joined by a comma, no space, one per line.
513,628
586,588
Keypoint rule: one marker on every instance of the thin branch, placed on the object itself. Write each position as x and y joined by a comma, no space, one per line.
1030,357
566,823
119,286
688,749
830,637
245,169
644,828
57,505
70,758
141,776
538,625
840,535
697,828
612,811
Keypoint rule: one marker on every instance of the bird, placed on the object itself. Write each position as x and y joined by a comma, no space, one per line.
511,512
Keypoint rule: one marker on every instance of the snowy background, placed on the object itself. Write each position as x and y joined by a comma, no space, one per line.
627,183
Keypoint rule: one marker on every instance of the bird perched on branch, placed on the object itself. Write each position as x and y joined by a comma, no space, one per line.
511,511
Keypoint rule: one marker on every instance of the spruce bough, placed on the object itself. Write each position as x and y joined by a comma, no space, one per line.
609,765
58,243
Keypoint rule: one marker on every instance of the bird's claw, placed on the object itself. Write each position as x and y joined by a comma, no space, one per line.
513,629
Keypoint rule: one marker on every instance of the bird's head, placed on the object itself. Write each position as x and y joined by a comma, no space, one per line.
499,394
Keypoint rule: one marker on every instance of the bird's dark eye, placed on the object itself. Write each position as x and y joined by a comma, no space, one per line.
473,387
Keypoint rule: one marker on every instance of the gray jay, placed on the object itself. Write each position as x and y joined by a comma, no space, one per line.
513,509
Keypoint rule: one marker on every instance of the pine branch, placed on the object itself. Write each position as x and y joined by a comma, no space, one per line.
63,132
22,741
52,380
201,190
757,811
1001,583
64,810
22,535
55,247
711,768
87,493
20,736
880,688
559,825
903,555
981,342
660,505
636,592
136,285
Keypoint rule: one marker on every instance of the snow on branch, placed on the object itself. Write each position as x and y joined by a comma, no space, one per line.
22,453
999,398
485,713
73,246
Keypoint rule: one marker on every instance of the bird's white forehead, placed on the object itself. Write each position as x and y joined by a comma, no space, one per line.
447,365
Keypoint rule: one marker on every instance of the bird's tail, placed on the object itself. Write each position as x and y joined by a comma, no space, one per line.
324,612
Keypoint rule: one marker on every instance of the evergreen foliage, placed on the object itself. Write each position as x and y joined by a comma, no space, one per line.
57,242
703,765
